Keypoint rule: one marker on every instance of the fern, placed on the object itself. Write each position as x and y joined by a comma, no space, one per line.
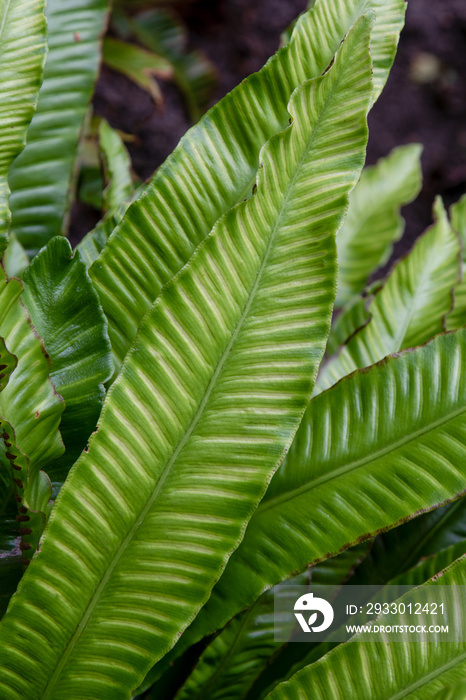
175,442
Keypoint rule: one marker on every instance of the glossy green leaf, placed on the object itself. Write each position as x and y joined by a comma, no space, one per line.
65,310
458,220
117,167
338,569
235,657
41,176
411,306
373,223
190,191
201,415
28,402
15,259
388,562
457,317
8,363
452,692
30,412
118,194
332,571
290,657
233,660
372,452
430,566
23,36
385,35
388,671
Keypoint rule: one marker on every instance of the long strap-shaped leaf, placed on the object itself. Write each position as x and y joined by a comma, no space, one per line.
65,310
391,553
30,412
457,318
117,165
458,220
235,657
411,306
28,402
430,566
396,551
204,408
215,164
456,691
41,176
373,223
375,450
118,194
389,671
246,646
22,55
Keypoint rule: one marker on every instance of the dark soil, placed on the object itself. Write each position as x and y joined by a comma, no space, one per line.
433,113
238,36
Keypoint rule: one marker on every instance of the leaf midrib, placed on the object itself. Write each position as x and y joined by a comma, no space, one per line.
426,678
141,517
352,466
380,325
380,319
424,282
158,488
4,17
